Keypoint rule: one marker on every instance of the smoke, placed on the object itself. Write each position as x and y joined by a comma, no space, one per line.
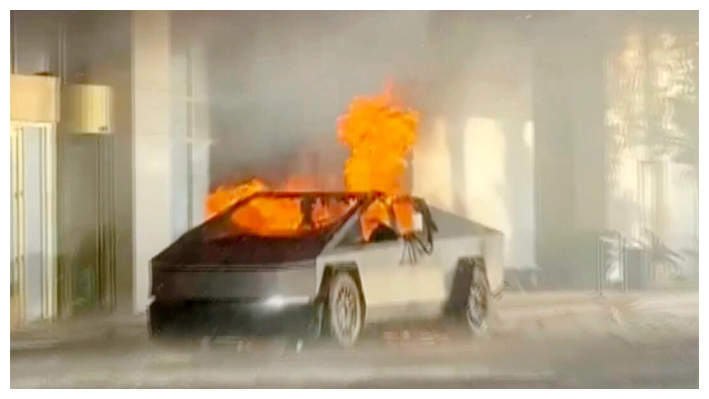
513,108
278,81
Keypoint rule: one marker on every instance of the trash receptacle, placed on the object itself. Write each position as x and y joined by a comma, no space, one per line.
638,269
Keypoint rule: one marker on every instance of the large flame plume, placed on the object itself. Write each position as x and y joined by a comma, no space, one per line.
380,132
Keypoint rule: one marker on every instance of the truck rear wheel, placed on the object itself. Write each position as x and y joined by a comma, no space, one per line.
345,308
477,303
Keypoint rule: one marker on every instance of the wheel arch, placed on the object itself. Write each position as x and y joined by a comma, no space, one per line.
330,270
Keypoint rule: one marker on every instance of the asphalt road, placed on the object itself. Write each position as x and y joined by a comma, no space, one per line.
639,353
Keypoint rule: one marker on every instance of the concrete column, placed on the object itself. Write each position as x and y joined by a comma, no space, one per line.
201,134
474,155
190,130
151,139
570,148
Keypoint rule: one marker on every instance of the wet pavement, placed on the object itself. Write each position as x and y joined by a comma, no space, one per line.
642,345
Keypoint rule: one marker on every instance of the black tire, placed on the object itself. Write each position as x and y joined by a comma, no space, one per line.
154,322
315,328
345,308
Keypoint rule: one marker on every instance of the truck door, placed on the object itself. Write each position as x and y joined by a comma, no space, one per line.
424,287
399,278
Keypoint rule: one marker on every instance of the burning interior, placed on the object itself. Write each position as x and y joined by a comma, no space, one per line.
380,132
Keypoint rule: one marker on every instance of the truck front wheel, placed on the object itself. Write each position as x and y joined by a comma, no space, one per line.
346,309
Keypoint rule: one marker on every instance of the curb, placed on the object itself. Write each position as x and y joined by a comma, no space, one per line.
39,336
522,308
512,310
285,375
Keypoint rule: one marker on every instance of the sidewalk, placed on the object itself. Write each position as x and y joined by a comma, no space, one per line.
47,334
513,311
673,308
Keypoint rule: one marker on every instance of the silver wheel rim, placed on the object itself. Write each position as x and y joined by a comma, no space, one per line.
476,305
346,309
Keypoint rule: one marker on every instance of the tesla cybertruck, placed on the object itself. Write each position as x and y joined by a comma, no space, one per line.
220,278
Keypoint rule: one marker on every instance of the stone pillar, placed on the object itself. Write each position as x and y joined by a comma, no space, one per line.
190,130
152,146
569,148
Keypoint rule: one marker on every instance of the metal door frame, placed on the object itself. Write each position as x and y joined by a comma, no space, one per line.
47,219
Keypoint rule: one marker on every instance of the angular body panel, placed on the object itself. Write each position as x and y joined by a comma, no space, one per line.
250,283
395,289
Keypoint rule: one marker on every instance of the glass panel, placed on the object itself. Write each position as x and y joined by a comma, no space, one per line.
200,182
14,277
33,214
78,220
180,168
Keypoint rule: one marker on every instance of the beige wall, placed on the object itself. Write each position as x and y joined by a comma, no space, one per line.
476,152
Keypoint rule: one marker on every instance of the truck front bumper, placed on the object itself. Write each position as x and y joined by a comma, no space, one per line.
199,318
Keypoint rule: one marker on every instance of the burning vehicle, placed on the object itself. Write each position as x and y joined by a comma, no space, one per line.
333,260
338,268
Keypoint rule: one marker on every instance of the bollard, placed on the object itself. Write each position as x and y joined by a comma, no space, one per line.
624,255
599,266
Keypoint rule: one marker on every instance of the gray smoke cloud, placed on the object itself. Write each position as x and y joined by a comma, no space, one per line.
278,81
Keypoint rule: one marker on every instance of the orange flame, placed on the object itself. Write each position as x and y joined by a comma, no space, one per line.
380,133
325,213
223,197
375,215
269,216
404,214
300,183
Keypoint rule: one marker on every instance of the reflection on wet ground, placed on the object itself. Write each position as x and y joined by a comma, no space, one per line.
562,353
